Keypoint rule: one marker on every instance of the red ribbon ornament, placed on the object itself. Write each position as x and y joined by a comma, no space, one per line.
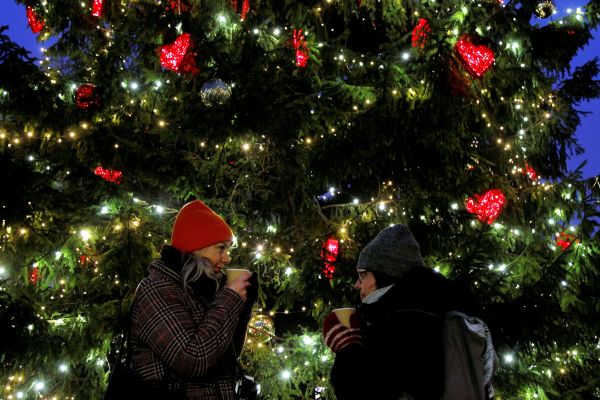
564,240
178,6
97,6
244,9
34,275
109,175
420,33
299,42
329,254
36,24
178,56
530,172
477,59
488,206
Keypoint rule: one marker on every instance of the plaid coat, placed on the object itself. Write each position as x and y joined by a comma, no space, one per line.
183,341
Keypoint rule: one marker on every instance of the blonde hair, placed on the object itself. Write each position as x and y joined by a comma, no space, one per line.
194,266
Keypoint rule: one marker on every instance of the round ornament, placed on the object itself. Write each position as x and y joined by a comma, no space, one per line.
261,328
215,92
545,9
87,96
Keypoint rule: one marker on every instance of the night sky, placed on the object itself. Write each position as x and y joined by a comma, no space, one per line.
588,134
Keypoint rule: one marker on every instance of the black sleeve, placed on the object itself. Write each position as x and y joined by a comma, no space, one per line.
239,336
348,376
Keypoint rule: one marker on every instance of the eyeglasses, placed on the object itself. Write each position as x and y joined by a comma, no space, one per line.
362,274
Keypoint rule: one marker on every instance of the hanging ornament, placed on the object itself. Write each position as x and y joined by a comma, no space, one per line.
97,6
109,175
477,59
244,7
329,254
488,206
36,24
179,55
544,9
299,42
530,172
87,96
565,240
34,274
178,6
420,33
261,328
215,92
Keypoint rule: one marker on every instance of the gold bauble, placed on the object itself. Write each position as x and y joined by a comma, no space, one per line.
544,8
261,328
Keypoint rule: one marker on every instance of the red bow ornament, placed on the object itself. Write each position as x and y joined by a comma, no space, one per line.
36,24
565,240
97,6
299,42
178,56
109,175
420,33
488,206
530,172
329,254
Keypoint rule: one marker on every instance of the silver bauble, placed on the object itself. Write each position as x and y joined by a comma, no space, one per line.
215,92
545,8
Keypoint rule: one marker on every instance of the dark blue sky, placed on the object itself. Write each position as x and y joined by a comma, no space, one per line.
588,134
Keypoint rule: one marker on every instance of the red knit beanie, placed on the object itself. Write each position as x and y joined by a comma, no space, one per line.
197,226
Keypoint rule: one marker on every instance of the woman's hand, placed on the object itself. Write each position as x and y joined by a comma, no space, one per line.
240,285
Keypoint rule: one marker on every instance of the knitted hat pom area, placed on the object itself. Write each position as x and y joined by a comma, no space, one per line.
197,226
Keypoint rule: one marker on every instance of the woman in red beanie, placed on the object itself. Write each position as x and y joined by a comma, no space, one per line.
187,326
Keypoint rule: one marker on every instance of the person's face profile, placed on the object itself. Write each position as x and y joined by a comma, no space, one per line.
217,254
365,283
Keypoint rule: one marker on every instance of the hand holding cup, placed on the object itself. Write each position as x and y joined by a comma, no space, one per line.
237,280
340,329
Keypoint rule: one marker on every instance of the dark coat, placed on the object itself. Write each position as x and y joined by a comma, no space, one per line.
402,351
184,339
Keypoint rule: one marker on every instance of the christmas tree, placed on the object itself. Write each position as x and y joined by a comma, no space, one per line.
309,125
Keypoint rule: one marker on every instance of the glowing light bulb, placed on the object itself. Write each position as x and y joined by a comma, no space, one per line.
285,374
85,235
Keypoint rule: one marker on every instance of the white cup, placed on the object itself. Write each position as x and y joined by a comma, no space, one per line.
343,315
234,273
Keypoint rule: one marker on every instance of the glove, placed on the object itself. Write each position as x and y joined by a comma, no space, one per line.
338,336
251,294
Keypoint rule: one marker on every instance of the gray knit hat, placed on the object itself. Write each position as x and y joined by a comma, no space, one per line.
393,252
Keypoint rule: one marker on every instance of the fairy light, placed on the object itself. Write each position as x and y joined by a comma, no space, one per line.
85,235
286,374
